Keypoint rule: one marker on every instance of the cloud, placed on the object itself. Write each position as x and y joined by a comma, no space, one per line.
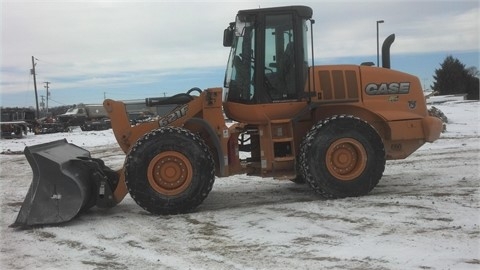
120,42
112,37
422,26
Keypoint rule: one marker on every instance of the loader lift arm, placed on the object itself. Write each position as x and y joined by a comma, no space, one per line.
201,114
126,134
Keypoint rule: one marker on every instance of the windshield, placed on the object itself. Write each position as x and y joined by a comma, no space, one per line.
72,110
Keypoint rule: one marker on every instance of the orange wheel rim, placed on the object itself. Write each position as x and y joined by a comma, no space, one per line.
170,173
346,159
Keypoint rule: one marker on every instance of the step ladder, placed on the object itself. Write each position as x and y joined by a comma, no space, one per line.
283,146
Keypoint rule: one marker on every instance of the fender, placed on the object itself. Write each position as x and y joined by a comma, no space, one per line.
215,140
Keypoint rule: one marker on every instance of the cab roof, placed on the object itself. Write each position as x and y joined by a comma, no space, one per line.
302,11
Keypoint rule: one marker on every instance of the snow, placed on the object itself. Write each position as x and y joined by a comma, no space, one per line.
424,214
91,139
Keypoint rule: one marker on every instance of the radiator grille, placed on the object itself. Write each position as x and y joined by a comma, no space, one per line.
338,84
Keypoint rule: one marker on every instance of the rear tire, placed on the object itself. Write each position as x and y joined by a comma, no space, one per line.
342,156
169,170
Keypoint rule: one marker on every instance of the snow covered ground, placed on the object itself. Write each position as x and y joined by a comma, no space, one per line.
424,214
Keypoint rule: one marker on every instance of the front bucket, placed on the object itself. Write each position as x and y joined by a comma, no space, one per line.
61,187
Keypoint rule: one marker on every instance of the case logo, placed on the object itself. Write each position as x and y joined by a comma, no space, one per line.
387,88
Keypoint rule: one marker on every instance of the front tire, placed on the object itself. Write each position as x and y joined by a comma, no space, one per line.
169,170
342,156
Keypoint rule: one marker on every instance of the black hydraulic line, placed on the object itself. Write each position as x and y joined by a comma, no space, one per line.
313,58
181,98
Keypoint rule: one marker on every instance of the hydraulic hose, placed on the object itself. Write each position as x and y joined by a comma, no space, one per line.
181,98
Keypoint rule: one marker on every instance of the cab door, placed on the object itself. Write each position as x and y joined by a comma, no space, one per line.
279,79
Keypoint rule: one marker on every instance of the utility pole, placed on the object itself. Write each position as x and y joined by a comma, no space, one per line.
425,84
48,94
32,71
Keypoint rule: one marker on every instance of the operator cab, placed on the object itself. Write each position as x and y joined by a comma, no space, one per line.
268,60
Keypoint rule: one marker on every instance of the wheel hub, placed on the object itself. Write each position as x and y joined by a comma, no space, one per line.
170,173
346,159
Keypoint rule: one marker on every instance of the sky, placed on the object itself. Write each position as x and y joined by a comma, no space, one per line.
125,49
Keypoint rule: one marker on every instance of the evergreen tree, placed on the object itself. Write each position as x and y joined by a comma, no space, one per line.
473,83
449,78
453,78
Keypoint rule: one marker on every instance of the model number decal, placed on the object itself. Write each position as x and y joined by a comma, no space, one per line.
173,116
387,88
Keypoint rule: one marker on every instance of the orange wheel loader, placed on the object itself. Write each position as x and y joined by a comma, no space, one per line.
331,126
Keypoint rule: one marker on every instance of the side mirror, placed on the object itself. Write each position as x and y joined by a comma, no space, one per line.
228,35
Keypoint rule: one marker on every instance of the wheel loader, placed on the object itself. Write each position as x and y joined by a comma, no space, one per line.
331,126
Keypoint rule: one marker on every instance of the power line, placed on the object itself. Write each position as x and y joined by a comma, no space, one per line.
58,102
69,67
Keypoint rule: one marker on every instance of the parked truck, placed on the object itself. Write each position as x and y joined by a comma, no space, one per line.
15,122
87,117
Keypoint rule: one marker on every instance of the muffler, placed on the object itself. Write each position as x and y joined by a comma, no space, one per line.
66,181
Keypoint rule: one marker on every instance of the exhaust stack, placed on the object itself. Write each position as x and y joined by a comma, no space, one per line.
386,50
